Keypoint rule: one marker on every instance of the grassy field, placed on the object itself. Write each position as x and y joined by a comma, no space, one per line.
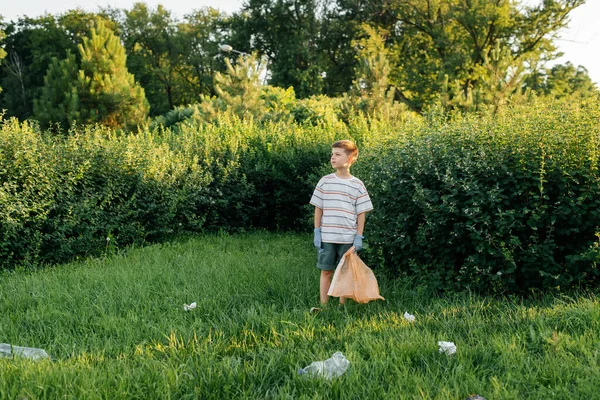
116,329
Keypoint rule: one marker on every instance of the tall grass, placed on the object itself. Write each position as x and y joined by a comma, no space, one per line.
116,329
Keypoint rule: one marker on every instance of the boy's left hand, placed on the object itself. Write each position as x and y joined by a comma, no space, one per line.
358,242
317,238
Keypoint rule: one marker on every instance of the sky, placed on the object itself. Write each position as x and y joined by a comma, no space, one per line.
580,41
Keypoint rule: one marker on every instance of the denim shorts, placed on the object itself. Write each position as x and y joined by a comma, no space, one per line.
330,255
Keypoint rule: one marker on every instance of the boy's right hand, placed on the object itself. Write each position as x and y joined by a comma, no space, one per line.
317,239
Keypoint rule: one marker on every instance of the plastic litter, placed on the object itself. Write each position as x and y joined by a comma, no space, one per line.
352,279
409,317
475,397
333,367
448,348
8,350
188,307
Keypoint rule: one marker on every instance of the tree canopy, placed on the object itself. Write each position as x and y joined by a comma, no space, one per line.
471,55
98,90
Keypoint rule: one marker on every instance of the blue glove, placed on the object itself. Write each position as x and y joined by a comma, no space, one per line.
358,242
317,239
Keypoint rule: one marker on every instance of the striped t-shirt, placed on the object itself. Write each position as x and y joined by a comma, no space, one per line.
341,201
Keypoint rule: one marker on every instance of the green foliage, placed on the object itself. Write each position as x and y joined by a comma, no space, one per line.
568,81
173,60
59,99
507,203
503,202
288,32
97,90
31,44
238,89
433,39
150,42
316,110
499,77
372,93
107,92
241,93
62,198
424,49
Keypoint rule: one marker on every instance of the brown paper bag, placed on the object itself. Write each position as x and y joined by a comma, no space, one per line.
354,280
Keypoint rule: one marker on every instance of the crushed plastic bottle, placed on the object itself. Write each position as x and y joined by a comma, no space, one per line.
330,368
7,350
448,348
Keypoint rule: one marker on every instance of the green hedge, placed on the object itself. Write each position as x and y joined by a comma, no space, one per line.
62,197
505,204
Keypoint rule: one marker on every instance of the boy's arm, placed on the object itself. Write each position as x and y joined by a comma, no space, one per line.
318,217
360,223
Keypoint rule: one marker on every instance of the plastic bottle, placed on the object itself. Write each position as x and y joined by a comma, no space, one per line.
330,368
7,350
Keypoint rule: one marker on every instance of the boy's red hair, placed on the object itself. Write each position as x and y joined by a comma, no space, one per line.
348,146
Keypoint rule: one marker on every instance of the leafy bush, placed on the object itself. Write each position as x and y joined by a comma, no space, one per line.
62,198
504,203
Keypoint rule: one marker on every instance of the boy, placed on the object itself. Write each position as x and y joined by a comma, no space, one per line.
341,202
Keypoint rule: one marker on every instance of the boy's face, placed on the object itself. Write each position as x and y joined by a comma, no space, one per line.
339,158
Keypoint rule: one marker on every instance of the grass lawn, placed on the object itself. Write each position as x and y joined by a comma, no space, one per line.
116,329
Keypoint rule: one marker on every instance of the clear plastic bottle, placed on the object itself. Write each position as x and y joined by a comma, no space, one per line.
330,368
7,350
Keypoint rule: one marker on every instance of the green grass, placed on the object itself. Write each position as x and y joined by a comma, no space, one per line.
117,330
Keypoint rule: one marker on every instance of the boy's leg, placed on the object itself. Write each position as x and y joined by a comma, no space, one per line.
324,285
326,263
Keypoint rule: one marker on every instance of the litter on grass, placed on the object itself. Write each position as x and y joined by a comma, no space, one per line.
448,348
333,367
409,317
188,307
352,279
8,350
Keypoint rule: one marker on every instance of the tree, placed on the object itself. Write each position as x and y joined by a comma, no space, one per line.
108,93
500,76
371,89
564,80
149,37
173,60
199,36
31,44
287,31
58,102
238,89
103,91
432,39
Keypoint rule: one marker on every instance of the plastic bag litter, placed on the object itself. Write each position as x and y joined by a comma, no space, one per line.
8,350
333,367
352,279
447,347
188,307
409,317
